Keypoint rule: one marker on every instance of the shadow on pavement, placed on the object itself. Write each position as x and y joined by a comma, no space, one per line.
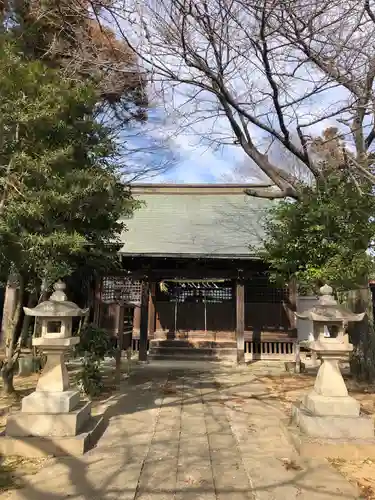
138,456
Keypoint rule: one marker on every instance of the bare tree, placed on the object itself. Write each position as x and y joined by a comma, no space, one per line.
247,171
275,69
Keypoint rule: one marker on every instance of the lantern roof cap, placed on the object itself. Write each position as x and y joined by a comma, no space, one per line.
57,306
328,310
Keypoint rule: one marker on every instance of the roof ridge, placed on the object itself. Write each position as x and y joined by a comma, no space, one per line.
215,189
200,185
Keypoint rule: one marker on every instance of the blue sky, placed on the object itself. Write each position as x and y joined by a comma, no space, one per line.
172,156
177,148
202,164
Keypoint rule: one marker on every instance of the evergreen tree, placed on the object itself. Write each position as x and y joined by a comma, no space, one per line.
66,35
61,196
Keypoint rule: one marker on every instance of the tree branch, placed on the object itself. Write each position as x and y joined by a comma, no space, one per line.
275,91
369,11
369,139
261,160
271,193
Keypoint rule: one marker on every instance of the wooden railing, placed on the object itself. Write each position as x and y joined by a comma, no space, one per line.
278,349
270,349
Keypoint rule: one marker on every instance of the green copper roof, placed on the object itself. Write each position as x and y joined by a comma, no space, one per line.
211,221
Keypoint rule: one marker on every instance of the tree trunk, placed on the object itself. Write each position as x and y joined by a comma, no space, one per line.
7,374
10,302
11,345
362,335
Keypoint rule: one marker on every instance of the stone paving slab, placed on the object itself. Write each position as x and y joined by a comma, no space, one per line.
203,434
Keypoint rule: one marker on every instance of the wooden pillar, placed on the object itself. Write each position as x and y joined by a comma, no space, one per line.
120,339
98,298
292,292
240,320
158,326
151,310
114,318
143,330
128,328
136,319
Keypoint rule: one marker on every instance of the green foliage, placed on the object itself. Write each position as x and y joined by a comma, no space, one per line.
95,342
324,236
89,379
94,346
60,181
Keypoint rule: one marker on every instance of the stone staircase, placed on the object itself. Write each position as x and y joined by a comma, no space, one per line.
194,350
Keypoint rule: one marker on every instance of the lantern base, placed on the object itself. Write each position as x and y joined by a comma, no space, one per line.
326,448
332,426
50,402
344,406
49,425
42,446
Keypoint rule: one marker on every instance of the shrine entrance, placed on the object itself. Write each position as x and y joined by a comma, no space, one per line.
194,300
198,306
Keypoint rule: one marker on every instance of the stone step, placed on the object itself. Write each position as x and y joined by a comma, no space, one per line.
205,344
192,350
196,357
188,351
184,354
196,335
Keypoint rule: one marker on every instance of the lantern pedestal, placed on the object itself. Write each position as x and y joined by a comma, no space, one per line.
328,411
54,410
327,421
49,425
330,396
330,405
50,402
53,393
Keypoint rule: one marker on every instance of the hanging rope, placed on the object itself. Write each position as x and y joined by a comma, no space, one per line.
191,283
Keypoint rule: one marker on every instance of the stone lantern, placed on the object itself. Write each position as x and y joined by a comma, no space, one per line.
53,392
328,410
54,412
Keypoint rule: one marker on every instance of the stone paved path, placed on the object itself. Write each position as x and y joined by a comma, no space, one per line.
190,435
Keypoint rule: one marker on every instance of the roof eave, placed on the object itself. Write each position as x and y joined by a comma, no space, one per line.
192,255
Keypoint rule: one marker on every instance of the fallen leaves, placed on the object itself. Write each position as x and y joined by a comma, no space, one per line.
169,389
190,479
288,388
291,464
14,469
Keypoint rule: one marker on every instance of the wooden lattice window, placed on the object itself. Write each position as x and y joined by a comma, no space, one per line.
260,290
120,288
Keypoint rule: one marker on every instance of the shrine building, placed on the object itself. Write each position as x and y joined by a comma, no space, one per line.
191,276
